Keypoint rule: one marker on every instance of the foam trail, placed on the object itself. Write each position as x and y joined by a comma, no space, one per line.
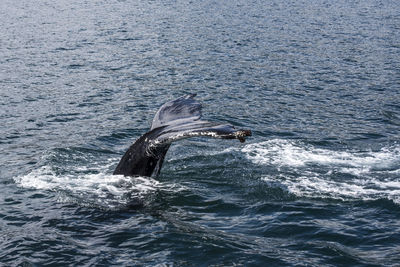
289,153
308,171
99,189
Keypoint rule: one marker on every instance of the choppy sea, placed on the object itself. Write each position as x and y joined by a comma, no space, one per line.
318,83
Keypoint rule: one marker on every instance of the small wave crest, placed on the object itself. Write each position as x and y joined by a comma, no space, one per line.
93,186
309,171
104,190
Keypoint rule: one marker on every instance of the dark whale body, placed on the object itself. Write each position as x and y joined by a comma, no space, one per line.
175,120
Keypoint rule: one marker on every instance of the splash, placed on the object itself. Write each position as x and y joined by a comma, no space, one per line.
308,171
94,186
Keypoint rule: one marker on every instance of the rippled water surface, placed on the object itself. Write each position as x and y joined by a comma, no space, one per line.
318,183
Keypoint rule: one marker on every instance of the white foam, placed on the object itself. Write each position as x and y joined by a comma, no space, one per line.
100,188
323,187
289,153
305,170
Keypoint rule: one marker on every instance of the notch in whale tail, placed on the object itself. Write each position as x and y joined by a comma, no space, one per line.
175,120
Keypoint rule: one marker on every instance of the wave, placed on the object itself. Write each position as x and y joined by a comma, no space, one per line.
309,171
94,186
297,167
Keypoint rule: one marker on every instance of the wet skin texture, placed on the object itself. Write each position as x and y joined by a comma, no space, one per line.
175,120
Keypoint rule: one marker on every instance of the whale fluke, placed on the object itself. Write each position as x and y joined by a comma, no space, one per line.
175,120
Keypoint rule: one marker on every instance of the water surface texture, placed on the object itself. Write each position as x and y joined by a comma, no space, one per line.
318,83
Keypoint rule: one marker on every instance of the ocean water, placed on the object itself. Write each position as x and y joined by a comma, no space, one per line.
318,83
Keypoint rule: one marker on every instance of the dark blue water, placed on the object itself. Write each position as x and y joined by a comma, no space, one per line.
318,82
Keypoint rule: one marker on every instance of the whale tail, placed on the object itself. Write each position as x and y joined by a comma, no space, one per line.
175,120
